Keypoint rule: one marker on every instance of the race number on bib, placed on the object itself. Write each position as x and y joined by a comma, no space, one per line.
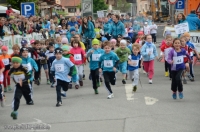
27,66
108,63
178,60
95,57
59,67
77,57
5,61
148,50
134,62
19,77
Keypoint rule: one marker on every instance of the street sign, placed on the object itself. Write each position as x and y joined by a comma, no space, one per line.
172,1
180,4
198,9
28,9
87,7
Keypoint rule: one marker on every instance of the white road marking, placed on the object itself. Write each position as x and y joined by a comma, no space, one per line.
150,100
129,93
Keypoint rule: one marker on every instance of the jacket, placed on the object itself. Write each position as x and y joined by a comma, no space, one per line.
193,22
146,48
89,31
107,28
117,29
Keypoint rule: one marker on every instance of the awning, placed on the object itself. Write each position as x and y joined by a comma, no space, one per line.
3,10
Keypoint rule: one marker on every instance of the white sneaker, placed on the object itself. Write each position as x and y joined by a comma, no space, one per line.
150,81
110,96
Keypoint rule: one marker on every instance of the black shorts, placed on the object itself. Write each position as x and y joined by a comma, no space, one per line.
109,77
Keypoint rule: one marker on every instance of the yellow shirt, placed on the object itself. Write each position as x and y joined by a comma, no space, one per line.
82,45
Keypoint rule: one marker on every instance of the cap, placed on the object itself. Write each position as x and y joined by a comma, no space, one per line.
65,48
5,48
140,33
23,49
95,42
16,59
24,42
59,26
58,50
113,40
32,41
128,39
186,34
72,29
103,39
64,41
123,41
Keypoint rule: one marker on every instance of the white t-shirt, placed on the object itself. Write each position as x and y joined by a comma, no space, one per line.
153,28
146,30
126,32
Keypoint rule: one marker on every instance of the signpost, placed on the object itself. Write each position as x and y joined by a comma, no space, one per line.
172,2
87,7
28,9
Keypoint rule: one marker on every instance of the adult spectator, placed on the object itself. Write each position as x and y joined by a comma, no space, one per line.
73,22
6,27
2,21
52,24
117,27
140,18
180,19
127,20
62,22
21,28
9,10
107,29
91,20
193,21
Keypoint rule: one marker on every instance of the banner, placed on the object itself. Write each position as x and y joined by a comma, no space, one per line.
181,28
100,14
7,41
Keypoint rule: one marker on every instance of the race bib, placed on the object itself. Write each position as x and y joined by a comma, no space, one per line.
95,57
77,57
27,66
1,78
148,50
191,54
19,77
5,61
108,63
134,62
59,67
178,60
166,53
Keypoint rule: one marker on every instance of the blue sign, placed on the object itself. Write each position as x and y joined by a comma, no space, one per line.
180,4
28,9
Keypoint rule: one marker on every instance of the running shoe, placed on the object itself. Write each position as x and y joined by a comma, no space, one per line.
81,83
123,81
191,78
63,94
30,103
96,91
184,81
150,81
9,88
14,115
174,95
98,84
77,86
48,82
110,96
59,104
70,85
180,95
134,88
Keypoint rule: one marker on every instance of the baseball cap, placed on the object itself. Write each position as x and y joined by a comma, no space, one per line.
5,48
58,50
24,42
32,41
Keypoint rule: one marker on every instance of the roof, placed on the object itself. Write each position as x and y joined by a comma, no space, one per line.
70,3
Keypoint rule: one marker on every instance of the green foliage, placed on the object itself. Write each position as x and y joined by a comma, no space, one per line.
16,4
123,6
99,5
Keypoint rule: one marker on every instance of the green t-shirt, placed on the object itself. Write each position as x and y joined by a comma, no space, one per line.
123,54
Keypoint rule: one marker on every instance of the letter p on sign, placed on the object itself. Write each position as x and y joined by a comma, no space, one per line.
27,8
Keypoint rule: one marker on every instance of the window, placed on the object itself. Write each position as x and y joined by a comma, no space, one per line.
71,10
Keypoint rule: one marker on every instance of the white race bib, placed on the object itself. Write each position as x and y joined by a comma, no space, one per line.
1,78
178,60
77,57
108,63
27,66
19,77
167,53
59,67
134,62
5,61
148,50
95,57
191,54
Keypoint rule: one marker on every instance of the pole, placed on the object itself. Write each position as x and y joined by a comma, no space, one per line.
173,13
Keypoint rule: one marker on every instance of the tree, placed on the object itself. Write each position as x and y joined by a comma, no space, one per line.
99,5
122,5
16,4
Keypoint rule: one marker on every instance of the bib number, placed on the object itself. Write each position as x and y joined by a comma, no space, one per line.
5,61
59,67
148,50
27,66
95,57
19,77
108,63
178,60
77,57
134,63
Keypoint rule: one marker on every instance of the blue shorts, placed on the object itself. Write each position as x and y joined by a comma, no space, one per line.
75,78
44,66
123,67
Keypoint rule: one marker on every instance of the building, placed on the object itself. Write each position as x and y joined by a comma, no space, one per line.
72,7
143,5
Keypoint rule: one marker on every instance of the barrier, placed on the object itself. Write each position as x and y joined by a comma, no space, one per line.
9,41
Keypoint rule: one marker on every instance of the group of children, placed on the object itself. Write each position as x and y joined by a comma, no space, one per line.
64,62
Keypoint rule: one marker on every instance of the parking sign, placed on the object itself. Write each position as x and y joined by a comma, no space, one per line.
28,9
180,5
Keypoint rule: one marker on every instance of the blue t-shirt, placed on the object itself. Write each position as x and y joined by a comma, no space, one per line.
135,62
62,68
108,61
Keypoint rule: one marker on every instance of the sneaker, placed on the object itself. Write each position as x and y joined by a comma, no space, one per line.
110,96
14,115
150,81
96,91
81,83
184,81
123,81
9,88
83,76
134,88
180,95
174,95
59,104
90,77
166,74
5,89
48,82
191,78
98,84
30,103
77,86
126,76
52,85
101,80
70,85
63,94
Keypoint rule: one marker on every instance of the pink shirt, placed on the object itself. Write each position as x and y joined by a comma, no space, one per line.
79,54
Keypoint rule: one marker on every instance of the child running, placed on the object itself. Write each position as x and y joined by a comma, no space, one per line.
133,61
176,59
123,52
94,54
108,63
2,68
